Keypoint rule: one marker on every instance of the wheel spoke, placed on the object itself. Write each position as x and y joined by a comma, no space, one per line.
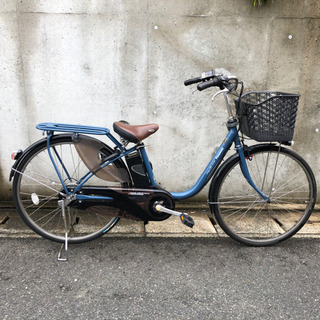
243,215
37,190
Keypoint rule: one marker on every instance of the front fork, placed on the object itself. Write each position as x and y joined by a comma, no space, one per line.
245,170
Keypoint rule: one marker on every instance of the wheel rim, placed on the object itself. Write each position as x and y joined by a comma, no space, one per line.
247,217
38,191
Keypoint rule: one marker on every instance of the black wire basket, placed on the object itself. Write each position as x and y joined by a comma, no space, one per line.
267,116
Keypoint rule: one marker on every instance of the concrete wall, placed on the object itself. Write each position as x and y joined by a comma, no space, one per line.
94,62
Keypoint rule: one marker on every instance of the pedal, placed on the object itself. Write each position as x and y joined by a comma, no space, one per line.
187,220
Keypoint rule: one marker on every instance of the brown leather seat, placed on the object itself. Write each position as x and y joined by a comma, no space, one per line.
134,133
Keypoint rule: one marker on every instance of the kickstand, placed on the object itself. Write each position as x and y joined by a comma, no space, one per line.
64,250
64,247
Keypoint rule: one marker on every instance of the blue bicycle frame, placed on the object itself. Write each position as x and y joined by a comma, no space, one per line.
232,137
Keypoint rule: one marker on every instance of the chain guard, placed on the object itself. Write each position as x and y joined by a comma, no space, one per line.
133,203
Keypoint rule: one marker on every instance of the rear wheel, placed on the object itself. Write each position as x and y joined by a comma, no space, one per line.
283,176
37,190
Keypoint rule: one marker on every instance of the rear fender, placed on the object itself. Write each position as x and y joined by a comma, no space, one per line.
30,149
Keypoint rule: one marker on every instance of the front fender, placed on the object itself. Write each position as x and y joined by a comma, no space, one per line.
234,158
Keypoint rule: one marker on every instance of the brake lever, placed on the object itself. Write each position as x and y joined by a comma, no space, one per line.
234,84
225,90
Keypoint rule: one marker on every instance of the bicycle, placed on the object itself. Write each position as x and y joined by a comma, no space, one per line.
71,187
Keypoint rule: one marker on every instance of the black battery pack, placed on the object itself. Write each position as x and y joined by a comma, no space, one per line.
137,170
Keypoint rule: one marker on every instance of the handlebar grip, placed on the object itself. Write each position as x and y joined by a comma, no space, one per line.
207,84
192,81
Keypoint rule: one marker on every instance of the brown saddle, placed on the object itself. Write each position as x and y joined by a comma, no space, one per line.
134,133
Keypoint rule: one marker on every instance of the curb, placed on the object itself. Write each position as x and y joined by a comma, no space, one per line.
12,226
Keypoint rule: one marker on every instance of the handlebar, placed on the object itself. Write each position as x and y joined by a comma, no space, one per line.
192,81
211,79
214,82
226,84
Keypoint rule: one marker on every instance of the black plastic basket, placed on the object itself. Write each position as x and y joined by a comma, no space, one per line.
267,116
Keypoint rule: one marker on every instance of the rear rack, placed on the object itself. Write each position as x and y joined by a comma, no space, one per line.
61,127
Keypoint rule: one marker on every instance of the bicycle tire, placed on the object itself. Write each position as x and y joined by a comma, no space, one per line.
36,189
242,214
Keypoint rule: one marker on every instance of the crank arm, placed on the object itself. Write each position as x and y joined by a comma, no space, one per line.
184,217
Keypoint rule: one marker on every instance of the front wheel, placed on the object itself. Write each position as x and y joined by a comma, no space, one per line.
279,173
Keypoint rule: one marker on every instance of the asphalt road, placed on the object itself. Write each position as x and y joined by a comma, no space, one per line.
140,278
